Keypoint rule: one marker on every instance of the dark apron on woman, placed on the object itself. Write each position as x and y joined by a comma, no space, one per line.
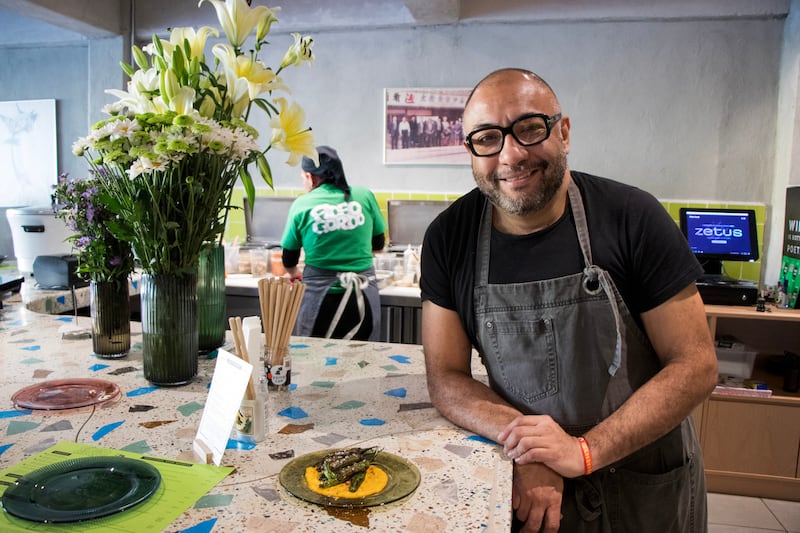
319,280
568,347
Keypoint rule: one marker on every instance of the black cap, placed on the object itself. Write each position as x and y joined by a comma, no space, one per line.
327,158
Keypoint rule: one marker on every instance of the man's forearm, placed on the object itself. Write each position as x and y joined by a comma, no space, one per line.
651,412
470,404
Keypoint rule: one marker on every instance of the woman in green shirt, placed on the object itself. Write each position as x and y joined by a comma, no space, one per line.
339,226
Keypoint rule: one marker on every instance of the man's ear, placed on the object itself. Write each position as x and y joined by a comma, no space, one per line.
564,125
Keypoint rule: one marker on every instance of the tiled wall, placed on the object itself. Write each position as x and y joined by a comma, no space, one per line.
734,269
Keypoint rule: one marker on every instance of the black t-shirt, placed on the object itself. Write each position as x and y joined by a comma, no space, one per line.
631,235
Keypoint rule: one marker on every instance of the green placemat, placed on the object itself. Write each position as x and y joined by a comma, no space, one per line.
182,484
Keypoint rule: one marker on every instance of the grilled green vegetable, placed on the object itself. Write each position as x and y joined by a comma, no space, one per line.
340,466
334,477
337,463
357,480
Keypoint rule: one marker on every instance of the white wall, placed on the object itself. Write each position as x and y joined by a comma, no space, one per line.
787,153
682,109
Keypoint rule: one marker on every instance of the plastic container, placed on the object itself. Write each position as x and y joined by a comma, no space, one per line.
36,231
276,262
259,262
735,359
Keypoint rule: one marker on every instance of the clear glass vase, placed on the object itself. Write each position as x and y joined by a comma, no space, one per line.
169,328
110,309
211,310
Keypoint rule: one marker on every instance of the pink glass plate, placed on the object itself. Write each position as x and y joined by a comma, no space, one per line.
65,394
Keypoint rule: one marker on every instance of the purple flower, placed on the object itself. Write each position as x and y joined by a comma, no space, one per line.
83,242
114,261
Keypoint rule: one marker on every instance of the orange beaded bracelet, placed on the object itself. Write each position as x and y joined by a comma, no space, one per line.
587,456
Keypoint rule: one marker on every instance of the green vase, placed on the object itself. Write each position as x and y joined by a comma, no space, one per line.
169,328
211,310
110,309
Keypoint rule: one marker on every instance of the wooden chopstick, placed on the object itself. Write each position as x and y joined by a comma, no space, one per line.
241,351
279,301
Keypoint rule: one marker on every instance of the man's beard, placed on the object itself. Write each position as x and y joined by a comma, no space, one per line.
552,177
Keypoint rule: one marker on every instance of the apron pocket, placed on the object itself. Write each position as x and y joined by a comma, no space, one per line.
524,360
652,502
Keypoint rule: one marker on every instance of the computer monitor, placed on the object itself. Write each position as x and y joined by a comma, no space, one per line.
719,234
408,220
266,221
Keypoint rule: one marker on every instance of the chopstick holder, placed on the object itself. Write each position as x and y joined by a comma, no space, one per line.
279,301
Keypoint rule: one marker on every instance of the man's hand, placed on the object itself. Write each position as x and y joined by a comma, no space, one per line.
536,497
539,439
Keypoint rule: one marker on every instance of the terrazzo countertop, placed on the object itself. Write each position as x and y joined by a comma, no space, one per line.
55,301
343,394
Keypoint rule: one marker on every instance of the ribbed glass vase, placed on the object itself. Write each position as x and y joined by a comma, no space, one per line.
169,328
211,308
110,309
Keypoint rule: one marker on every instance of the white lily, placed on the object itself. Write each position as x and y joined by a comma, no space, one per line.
299,52
239,67
140,89
265,24
290,134
238,20
197,39
182,102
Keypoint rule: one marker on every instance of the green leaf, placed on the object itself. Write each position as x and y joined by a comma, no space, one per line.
139,57
158,45
269,110
264,169
194,71
247,182
178,64
127,68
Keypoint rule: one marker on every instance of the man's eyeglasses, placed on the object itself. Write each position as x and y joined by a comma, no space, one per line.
527,130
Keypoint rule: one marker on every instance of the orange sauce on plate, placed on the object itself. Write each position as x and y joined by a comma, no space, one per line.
374,482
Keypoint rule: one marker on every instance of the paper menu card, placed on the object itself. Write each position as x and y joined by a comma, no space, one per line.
182,484
228,384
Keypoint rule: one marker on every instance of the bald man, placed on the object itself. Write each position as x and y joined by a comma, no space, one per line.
578,293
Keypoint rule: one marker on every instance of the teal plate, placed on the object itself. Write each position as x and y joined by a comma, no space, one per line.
81,489
404,478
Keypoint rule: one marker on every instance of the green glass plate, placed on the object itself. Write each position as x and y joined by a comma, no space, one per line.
404,479
81,489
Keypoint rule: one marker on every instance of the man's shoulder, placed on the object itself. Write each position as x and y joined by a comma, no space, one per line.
588,181
467,202
611,194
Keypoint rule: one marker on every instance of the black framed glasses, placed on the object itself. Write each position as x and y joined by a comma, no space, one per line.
527,130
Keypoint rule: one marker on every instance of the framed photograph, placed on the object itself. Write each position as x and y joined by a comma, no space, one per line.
28,151
423,127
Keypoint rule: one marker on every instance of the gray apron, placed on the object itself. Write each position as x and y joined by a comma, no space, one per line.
568,347
318,281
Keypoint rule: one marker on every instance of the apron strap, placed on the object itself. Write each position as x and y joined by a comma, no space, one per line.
596,278
351,282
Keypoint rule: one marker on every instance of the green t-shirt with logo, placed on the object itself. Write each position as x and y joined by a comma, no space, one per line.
336,235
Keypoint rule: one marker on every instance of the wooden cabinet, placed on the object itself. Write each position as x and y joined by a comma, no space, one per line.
751,446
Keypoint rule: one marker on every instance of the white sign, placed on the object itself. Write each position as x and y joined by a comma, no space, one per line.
228,385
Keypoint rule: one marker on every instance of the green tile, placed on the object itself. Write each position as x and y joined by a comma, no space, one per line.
674,210
383,198
750,271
